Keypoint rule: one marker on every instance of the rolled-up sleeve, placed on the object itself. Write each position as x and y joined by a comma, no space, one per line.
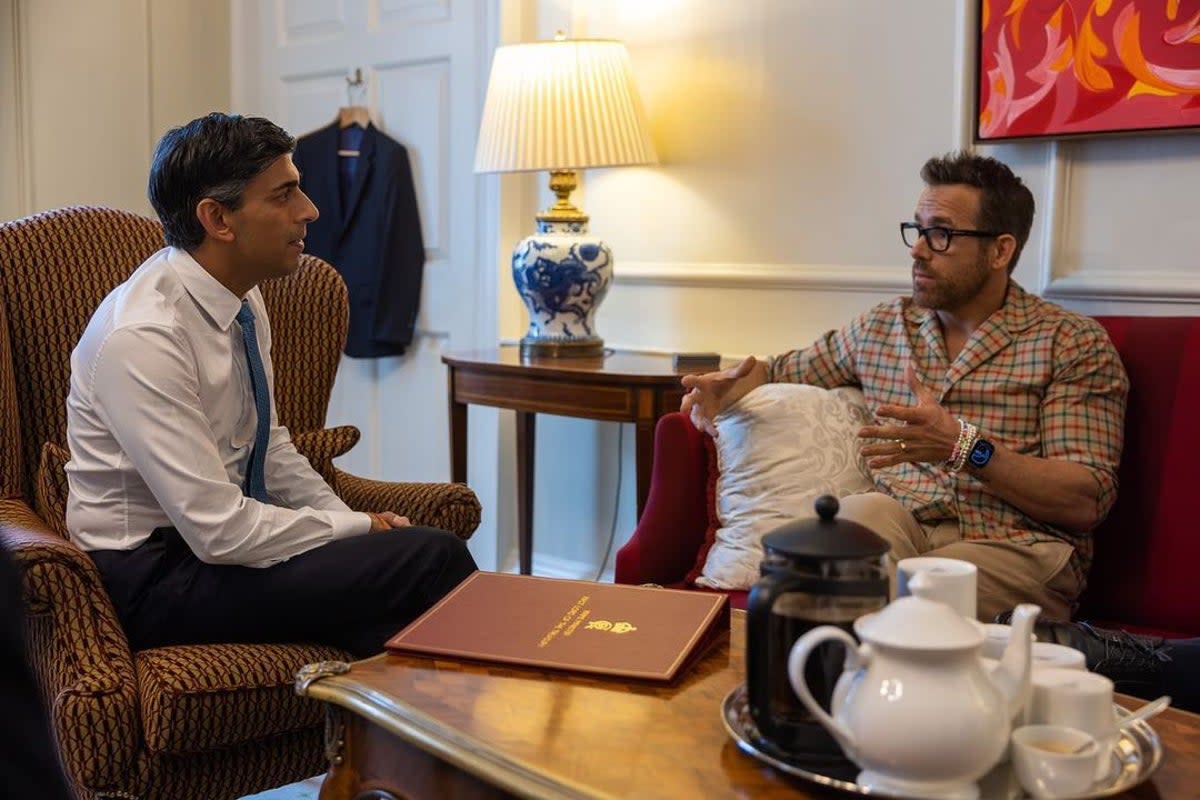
144,379
1083,412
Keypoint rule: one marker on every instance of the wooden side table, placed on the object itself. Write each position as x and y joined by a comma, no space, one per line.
617,387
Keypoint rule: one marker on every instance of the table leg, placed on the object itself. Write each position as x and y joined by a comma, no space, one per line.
526,436
458,436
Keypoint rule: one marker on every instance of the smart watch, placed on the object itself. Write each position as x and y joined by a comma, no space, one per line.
981,453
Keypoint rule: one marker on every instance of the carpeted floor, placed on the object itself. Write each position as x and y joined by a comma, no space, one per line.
305,790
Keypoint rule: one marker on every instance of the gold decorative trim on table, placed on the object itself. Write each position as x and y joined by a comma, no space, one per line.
465,752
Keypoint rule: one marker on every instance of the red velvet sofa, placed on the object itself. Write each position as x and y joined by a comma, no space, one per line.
1146,575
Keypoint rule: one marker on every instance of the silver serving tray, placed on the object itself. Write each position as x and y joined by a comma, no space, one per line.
1136,755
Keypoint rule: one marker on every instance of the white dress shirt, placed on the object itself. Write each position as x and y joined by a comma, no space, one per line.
161,420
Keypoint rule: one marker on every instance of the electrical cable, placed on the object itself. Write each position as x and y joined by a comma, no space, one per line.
612,532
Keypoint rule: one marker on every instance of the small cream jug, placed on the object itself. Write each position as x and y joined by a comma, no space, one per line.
916,709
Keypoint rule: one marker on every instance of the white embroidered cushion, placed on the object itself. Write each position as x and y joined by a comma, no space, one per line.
780,447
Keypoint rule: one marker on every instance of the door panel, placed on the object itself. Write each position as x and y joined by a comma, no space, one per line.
424,66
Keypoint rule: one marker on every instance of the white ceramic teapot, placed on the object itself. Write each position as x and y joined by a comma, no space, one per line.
917,711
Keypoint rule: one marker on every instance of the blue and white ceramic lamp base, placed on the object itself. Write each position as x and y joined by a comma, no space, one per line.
562,274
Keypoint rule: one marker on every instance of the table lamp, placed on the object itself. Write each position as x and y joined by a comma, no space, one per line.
562,106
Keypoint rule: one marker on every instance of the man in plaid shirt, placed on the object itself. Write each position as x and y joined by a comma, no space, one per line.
999,415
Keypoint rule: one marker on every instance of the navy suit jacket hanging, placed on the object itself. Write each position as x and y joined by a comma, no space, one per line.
372,236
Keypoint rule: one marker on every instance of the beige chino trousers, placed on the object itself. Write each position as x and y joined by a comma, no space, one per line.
1009,572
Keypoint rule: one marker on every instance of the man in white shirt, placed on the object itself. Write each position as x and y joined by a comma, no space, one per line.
206,525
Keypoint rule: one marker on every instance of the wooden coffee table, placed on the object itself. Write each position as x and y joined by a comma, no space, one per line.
404,727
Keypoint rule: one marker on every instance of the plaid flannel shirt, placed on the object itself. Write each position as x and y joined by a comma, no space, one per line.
1042,380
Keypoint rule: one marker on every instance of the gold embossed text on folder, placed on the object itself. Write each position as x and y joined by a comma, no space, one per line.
602,628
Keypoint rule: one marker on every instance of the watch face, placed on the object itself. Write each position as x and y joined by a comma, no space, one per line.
981,453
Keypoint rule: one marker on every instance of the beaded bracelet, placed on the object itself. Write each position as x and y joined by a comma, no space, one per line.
962,437
961,463
967,436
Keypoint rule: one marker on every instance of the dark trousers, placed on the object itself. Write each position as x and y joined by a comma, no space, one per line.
351,593
1182,678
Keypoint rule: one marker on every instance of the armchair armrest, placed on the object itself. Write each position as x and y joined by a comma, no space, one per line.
671,531
77,649
450,506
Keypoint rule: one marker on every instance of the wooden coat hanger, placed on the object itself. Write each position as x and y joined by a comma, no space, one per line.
354,113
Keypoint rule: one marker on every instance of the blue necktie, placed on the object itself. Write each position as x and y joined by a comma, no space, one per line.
256,479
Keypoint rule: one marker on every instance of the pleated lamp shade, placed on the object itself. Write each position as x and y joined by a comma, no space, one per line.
562,105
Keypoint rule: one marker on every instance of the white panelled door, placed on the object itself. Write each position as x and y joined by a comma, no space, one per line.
425,67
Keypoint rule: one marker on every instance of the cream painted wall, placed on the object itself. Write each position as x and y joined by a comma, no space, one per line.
92,87
790,134
12,186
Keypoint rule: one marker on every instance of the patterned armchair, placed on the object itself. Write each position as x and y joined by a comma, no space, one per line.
214,721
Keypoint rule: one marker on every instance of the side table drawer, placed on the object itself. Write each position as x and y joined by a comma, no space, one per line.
556,396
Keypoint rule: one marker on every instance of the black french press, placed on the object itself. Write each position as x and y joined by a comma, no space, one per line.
822,571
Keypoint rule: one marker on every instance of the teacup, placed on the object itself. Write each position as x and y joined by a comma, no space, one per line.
1048,655
950,581
1054,761
1077,699
1045,654
997,639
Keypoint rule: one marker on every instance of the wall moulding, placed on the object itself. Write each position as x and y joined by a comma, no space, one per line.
1131,284
1118,285
838,277
1062,279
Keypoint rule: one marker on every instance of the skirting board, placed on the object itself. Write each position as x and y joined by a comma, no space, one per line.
555,567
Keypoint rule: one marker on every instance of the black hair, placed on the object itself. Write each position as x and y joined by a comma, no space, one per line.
1005,202
213,156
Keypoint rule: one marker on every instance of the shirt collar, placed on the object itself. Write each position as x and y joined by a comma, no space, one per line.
1020,309
220,304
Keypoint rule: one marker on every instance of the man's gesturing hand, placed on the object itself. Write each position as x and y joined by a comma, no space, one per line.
709,394
386,521
925,432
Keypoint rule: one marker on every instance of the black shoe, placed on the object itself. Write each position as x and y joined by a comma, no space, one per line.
1134,663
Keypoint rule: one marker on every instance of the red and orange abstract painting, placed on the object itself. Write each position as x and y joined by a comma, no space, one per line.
1070,67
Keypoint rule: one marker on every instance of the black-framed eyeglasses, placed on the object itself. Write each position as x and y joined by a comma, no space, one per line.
938,236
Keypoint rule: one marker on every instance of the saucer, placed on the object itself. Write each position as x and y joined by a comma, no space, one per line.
1135,756
739,724
880,786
